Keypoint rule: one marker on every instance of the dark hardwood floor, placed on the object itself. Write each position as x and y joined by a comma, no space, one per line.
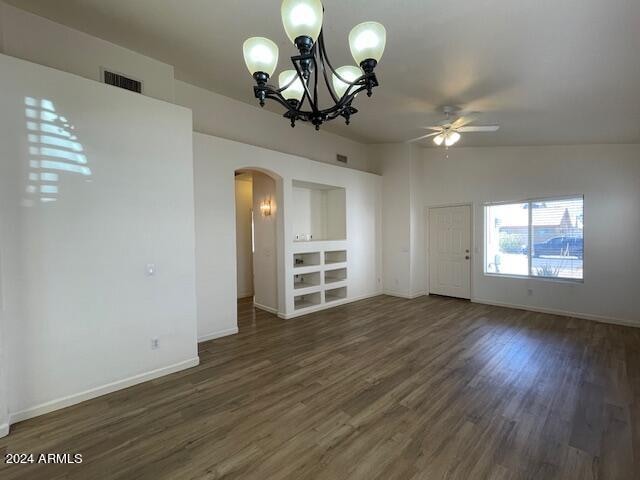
379,389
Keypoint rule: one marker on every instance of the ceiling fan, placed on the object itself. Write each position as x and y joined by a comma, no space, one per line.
456,123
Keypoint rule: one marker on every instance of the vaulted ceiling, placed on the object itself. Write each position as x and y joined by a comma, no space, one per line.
548,71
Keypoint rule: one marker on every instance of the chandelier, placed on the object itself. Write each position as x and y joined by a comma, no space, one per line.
297,88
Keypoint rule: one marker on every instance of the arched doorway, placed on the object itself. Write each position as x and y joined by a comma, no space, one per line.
258,223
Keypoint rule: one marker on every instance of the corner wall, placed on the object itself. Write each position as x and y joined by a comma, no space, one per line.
39,40
609,178
96,183
403,219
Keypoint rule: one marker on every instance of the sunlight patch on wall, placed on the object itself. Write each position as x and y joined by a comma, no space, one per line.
54,149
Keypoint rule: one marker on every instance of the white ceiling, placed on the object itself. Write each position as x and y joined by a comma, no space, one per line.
548,71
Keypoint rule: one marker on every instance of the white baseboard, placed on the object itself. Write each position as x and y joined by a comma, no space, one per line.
99,391
218,334
4,430
392,293
265,308
326,306
564,313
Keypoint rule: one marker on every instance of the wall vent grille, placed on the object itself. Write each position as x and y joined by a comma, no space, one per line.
341,158
120,81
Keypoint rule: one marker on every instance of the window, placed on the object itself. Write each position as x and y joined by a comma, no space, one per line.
537,238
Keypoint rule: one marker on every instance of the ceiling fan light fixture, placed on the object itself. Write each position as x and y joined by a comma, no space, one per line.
452,138
438,139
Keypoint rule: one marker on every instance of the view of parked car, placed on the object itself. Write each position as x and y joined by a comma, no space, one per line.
559,246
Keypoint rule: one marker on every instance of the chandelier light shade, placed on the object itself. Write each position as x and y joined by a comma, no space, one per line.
302,18
438,139
260,55
291,85
348,73
299,89
367,41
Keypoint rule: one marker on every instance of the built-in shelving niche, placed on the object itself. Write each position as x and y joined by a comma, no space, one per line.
306,301
333,276
319,212
336,256
319,279
306,259
335,294
305,280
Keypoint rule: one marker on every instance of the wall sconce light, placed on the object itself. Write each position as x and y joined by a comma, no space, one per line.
265,208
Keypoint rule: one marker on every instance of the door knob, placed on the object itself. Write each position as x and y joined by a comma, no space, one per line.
466,257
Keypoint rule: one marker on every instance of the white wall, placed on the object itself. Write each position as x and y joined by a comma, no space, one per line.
396,234
609,178
224,117
244,260
215,161
403,213
80,311
417,217
2,27
265,260
4,394
42,41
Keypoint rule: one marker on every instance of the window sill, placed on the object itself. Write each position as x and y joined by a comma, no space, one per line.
529,277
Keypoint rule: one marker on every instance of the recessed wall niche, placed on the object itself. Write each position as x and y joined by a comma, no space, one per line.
319,212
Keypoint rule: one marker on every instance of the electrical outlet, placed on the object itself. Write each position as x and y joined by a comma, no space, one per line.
529,291
150,269
155,344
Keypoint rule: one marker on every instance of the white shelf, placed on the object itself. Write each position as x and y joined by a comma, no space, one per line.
335,285
306,300
306,280
320,277
306,270
335,256
306,259
335,294
335,275
318,245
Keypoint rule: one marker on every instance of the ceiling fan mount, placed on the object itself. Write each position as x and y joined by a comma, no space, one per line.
456,123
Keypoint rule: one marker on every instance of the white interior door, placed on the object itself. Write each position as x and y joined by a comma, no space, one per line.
450,251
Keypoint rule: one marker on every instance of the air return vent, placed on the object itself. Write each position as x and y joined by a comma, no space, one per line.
117,80
341,158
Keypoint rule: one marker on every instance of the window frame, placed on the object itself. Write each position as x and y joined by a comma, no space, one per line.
530,237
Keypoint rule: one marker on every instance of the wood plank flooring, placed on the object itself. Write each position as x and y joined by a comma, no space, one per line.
384,388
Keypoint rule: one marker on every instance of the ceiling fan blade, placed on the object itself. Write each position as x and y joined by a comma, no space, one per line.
478,128
433,134
436,128
464,119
